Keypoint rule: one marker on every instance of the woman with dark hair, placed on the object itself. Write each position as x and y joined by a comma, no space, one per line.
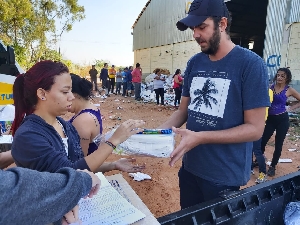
88,123
42,140
278,118
177,86
158,84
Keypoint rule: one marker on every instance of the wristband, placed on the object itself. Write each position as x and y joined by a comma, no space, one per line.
110,144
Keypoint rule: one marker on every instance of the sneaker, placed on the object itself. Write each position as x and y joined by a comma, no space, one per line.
252,172
262,177
132,96
125,96
271,171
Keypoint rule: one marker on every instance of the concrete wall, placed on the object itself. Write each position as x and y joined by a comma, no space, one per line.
171,57
290,52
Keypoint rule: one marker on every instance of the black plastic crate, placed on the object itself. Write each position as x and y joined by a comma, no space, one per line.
257,205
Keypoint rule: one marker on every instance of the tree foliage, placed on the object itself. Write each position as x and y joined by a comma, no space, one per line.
33,27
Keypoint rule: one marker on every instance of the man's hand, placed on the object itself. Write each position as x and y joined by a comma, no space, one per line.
95,183
72,216
188,141
127,166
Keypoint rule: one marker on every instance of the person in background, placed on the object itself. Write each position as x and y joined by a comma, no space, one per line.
42,140
30,197
223,106
177,86
104,78
112,79
130,87
278,118
158,83
137,81
119,82
259,157
88,123
93,74
124,76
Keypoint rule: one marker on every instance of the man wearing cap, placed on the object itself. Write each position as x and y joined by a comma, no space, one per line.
224,96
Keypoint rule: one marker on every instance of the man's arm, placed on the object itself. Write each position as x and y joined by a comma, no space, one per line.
51,195
178,118
250,130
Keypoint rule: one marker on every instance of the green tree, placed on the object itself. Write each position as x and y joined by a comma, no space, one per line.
34,26
100,63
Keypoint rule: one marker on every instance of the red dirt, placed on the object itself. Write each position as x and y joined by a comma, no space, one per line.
161,194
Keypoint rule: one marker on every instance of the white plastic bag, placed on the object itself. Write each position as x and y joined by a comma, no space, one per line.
152,145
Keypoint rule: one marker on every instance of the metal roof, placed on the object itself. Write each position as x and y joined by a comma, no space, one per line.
141,13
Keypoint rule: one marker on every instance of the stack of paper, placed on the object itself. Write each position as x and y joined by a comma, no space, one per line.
108,207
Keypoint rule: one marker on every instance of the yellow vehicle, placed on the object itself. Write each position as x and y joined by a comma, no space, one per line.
9,69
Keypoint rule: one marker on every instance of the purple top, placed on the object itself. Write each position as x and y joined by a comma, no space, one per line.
279,101
92,146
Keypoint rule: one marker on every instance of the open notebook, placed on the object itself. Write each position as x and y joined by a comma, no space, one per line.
108,207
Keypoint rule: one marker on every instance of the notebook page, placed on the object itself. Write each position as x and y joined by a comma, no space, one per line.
108,207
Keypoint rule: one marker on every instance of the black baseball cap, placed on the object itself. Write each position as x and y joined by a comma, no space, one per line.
200,10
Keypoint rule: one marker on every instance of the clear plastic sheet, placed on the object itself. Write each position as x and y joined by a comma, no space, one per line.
100,138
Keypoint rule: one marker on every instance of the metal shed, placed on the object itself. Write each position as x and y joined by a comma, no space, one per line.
260,23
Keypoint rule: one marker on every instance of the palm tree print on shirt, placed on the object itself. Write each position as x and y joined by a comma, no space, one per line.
204,96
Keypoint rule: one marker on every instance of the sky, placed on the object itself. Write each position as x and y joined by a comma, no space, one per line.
105,33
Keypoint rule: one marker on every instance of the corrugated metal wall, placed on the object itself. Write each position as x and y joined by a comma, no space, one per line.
276,16
158,21
294,11
157,27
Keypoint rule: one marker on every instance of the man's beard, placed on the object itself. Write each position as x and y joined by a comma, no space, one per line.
213,43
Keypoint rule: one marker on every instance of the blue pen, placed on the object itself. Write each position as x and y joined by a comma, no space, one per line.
156,131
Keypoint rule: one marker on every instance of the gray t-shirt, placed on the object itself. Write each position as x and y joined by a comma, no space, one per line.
220,92
119,79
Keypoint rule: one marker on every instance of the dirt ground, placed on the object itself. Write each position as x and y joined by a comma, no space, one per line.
161,193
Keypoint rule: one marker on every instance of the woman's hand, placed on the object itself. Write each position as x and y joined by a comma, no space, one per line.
126,165
125,130
95,183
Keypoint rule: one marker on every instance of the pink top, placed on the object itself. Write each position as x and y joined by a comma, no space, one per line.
136,75
176,85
